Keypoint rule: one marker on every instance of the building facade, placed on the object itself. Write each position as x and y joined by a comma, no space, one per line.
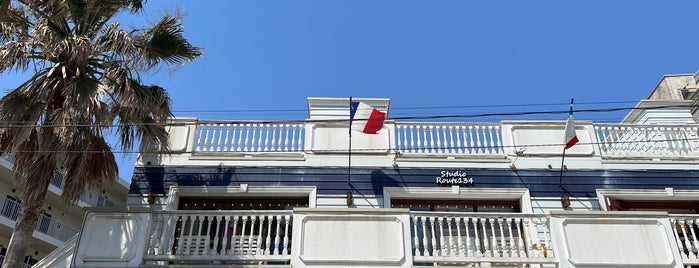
59,222
417,193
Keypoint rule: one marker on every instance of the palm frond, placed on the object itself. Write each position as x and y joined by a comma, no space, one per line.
164,42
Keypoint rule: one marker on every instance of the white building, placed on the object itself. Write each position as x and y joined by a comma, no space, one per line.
59,222
437,194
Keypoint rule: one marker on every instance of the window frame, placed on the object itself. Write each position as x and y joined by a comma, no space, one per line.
460,193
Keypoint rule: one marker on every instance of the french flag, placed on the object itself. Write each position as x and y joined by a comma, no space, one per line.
369,120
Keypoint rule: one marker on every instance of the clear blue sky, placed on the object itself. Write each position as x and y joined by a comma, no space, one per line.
271,55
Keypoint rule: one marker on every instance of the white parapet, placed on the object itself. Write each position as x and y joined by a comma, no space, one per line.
112,238
351,238
614,239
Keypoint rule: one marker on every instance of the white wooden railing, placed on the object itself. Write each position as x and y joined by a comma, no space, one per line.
648,140
220,236
445,237
449,138
249,137
685,231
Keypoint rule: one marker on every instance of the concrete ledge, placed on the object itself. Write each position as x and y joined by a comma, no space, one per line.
353,210
569,213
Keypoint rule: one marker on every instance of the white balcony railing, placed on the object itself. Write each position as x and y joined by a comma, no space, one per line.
449,138
220,236
648,140
685,231
249,137
452,139
443,237
10,209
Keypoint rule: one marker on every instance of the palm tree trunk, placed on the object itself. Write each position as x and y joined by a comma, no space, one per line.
24,229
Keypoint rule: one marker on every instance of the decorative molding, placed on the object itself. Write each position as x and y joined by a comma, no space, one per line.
237,191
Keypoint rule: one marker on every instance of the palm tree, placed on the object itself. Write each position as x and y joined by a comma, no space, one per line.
85,85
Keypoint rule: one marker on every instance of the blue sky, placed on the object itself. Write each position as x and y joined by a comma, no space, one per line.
510,56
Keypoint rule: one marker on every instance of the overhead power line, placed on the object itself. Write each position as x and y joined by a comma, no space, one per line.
447,116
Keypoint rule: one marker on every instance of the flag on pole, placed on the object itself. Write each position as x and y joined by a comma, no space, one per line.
570,137
369,120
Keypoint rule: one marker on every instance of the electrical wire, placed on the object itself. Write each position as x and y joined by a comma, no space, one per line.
22,124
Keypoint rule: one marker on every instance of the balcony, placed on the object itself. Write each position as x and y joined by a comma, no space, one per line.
389,238
9,209
459,140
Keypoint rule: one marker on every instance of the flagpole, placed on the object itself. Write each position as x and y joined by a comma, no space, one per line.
560,176
349,158
565,199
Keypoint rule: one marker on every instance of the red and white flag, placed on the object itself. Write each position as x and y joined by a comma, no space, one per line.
570,137
366,119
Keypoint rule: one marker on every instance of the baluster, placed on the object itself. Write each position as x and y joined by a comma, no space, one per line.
425,245
472,145
286,138
251,237
468,245
286,237
458,149
254,142
180,239
487,143
460,251
278,218
412,141
199,135
200,221
246,142
224,244
435,249
190,236
294,142
241,139
512,244
268,238
280,141
452,145
440,240
687,240
503,245
451,249
213,143
486,243
430,129
424,139
273,141
695,243
438,148
205,145
683,250
416,243
492,147
265,147
445,141
401,141
520,242
166,236
498,138
225,140
208,233
241,240
494,242
219,143
480,143
259,235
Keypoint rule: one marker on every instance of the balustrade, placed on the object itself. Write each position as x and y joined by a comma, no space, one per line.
249,137
449,138
10,209
473,237
685,232
220,236
648,140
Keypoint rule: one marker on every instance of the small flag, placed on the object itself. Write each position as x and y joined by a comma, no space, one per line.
369,120
570,137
